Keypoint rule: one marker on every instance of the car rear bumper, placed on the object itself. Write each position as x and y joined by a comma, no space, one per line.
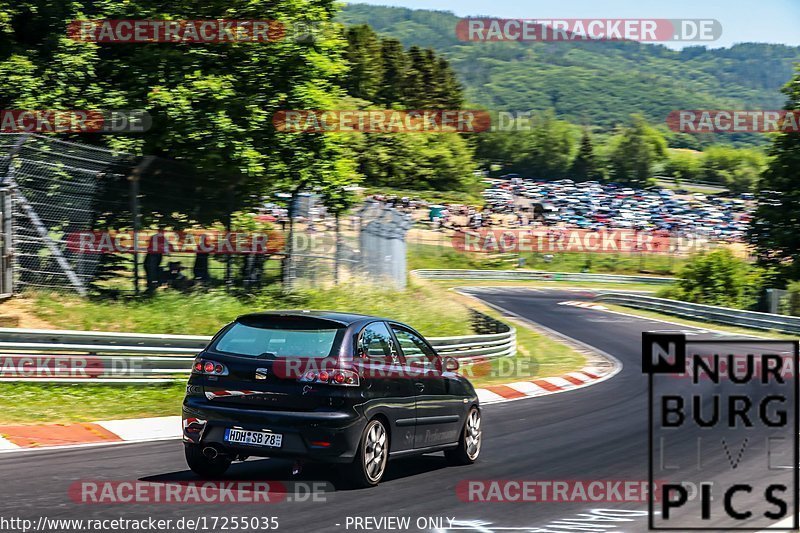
330,436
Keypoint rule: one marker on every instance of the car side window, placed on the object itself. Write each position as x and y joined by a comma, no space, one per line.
415,350
375,342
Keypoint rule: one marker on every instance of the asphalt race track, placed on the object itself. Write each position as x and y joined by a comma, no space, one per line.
598,432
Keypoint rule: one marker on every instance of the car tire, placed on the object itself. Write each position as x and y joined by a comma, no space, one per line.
469,444
204,466
369,465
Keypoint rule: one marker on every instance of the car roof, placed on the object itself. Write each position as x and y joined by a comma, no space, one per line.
335,316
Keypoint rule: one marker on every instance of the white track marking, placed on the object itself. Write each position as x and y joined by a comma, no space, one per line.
163,427
6,444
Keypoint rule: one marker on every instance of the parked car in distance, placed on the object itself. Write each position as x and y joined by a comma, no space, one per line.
324,386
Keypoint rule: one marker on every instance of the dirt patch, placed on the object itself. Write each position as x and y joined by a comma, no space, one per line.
18,313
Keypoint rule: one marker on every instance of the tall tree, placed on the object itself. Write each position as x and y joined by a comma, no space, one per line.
547,148
775,229
395,70
636,150
365,76
419,79
448,92
584,166
433,161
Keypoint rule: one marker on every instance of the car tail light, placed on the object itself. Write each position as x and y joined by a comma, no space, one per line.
210,368
344,378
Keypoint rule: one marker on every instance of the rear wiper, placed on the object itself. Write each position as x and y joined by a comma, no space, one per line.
267,355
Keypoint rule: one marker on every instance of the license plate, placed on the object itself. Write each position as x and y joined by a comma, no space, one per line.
253,438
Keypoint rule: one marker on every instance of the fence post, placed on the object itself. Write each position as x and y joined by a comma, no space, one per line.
7,223
229,229
336,252
135,176
6,256
288,262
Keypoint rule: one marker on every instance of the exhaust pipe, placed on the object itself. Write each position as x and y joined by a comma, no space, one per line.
210,452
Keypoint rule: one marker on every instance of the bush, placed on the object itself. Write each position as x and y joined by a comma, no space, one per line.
793,299
719,278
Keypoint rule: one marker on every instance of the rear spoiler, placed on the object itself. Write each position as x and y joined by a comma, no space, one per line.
289,321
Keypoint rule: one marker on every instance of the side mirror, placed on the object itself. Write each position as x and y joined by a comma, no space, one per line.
451,364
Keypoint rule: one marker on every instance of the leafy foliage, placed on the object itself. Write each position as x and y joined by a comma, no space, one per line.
793,299
775,231
634,152
545,150
385,75
719,278
204,110
585,166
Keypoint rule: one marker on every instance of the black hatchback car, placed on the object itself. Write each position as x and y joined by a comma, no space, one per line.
323,386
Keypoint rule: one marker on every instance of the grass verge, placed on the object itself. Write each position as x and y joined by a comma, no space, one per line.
428,306
29,403
425,307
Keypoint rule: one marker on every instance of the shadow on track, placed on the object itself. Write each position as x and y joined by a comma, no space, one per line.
280,470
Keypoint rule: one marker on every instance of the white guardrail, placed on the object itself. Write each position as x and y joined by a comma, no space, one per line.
710,313
537,275
32,355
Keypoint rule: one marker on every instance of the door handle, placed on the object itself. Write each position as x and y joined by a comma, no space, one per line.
420,386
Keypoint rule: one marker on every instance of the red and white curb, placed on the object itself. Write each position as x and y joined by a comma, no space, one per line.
47,436
542,386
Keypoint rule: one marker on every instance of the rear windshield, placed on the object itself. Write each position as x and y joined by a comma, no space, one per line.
279,340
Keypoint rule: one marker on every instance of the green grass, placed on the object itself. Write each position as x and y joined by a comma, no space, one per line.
426,308
26,403
537,356
422,255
